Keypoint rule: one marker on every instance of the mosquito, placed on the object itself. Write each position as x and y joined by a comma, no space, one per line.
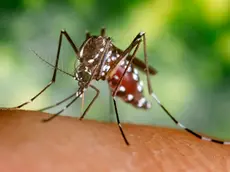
99,59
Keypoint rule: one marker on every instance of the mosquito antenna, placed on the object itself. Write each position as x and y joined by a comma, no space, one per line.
51,64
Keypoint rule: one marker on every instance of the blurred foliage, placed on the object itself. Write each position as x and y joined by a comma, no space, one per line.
188,42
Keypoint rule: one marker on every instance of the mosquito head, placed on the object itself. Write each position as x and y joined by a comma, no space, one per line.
83,75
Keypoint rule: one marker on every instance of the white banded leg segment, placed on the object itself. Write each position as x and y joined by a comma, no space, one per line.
181,125
63,109
187,129
156,98
38,94
118,121
206,139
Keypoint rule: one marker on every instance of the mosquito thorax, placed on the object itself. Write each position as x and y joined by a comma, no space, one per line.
92,49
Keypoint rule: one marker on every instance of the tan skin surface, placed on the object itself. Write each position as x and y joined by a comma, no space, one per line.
68,145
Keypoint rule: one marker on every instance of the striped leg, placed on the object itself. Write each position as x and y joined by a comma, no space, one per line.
77,95
91,103
118,122
82,103
56,114
58,103
133,46
111,110
150,90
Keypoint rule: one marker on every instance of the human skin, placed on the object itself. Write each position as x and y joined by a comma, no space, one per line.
66,144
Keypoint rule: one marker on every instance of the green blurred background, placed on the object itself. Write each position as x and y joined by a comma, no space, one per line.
188,42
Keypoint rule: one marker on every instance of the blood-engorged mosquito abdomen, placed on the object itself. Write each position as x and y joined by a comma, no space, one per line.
131,87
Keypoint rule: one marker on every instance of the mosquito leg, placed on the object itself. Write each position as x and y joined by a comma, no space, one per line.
87,35
56,66
103,32
32,99
118,122
138,63
63,32
53,116
150,90
137,41
58,103
82,103
110,106
135,44
91,103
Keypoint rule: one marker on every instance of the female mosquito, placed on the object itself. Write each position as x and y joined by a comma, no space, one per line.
99,59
